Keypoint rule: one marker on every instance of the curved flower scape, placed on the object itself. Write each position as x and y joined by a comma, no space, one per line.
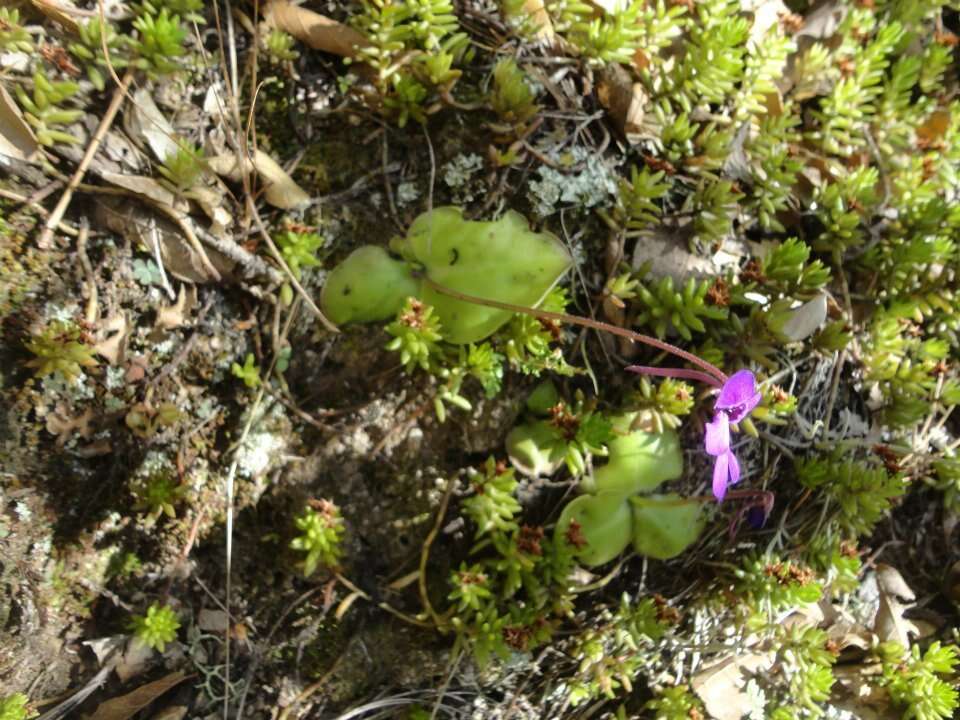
738,397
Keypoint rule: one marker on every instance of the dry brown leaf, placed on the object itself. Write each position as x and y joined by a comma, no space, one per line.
17,140
174,712
896,598
806,319
933,129
623,99
721,686
60,423
126,706
173,316
766,14
135,660
539,18
317,31
113,346
146,229
144,122
59,11
142,185
281,191
823,21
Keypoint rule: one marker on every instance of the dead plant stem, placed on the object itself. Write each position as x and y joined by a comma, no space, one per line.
425,556
111,112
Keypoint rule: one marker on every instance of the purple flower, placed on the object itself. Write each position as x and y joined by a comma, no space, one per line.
737,399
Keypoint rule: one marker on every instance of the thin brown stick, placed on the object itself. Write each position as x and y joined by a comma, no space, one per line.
57,215
382,605
62,226
425,557
90,314
252,209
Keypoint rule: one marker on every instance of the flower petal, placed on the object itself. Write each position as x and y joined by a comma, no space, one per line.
717,437
733,467
739,389
720,476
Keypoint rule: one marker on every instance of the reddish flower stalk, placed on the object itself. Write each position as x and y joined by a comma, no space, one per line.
717,376
680,373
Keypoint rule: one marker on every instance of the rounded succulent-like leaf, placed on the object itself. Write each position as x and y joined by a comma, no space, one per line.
665,525
368,286
500,260
639,461
535,450
604,525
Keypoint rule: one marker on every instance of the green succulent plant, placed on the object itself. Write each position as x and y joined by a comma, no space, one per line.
60,348
42,109
511,97
249,372
184,167
158,494
321,527
157,628
159,44
13,36
416,332
14,707
919,681
500,260
93,36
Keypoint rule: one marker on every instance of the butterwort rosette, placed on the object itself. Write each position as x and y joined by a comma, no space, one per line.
737,399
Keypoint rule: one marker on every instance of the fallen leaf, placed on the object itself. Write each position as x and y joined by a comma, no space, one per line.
60,423
317,31
145,121
59,11
896,598
126,706
141,185
174,712
345,605
806,319
17,140
146,228
173,316
766,15
721,686
823,21
106,648
135,660
858,692
539,18
112,346
623,99
281,191
210,201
